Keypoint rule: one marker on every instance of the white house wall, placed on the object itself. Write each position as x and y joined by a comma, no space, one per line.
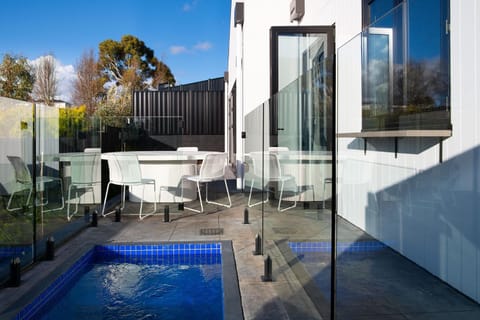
426,209
249,48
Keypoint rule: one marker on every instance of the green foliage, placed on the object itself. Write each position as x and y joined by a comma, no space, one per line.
130,63
16,77
116,107
72,120
163,74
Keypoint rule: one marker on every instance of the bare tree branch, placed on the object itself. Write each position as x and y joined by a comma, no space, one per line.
88,86
45,87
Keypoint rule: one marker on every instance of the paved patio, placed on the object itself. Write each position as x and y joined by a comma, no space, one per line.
375,285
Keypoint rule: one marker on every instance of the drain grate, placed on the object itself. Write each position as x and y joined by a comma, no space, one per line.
211,231
284,230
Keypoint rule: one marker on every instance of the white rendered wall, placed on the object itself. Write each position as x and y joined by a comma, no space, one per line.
249,47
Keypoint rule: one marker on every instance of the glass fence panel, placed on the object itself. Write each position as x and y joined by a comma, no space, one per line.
288,185
68,162
406,205
16,214
257,136
298,218
51,177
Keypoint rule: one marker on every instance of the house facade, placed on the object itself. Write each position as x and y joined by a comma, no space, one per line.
390,90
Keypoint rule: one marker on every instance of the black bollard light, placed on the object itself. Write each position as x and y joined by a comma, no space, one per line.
258,245
245,216
267,276
15,272
166,214
50,249
86,214
94,222
118,215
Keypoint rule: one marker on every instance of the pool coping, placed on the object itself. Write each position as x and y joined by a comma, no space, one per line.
231,290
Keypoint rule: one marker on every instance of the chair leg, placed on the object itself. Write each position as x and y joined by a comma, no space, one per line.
280,200
140,216
41,204
122,204
63,198
105,202
69,217
325,181
29,196
69,198
219,204
154,197
199,197
250,196
11,198
77,203
323,198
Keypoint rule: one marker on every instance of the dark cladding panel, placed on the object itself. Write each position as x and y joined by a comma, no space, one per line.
190,109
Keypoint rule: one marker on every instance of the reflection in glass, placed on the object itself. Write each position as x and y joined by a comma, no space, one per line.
406,79
300,114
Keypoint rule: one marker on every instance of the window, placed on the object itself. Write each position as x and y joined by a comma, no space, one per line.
405,65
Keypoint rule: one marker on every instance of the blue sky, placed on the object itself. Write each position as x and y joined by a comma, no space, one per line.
190,36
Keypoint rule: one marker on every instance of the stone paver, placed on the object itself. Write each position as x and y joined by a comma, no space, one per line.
260,300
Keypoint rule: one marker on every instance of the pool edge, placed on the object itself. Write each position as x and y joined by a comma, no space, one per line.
232,308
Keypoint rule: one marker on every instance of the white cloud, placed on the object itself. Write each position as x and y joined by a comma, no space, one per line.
177,50
189,5
203,46
65,77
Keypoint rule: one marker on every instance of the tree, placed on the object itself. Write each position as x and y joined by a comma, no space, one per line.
72,120
45,87
88,86
16,77
162,75
116,107
130,63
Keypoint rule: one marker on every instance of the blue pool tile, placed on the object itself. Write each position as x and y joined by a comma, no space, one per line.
209,253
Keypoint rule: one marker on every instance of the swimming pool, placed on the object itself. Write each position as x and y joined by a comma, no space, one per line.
144,281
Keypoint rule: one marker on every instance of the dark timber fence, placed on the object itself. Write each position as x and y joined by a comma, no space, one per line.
193,112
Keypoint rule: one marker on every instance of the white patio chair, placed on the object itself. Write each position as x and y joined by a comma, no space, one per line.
183,149
83,176
23,180
212,169
271,172
125,171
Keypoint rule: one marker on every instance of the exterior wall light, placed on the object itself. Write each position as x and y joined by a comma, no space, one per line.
297,10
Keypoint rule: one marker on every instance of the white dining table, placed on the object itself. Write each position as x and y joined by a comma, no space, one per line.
167,168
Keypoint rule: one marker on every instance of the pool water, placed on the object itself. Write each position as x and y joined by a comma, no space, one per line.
142,291
165,281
